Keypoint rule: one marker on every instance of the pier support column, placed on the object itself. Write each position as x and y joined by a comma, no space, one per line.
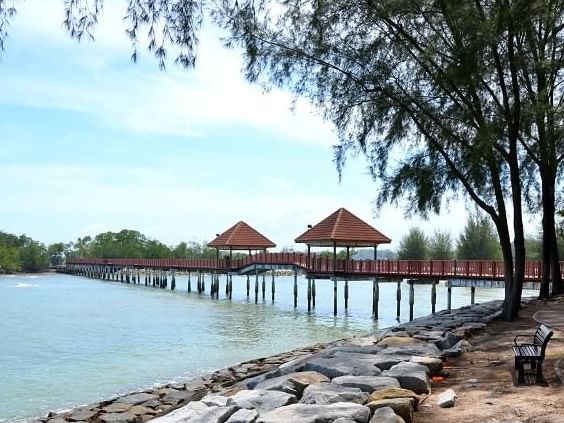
308,294
127,280
375,297
449,296
173,281
335,297
433,296
199,282
146,276
295,288
256,285
263,286
313,292
248,285
138,276
203,282
189,283
346,294
227,284
165,285
398,301
472,295
230,285
273,288
411,299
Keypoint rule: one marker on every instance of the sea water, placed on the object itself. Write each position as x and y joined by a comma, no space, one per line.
66,341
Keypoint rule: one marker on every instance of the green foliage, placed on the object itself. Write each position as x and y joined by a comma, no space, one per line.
414,246
478,241
440,246
22,254
56,253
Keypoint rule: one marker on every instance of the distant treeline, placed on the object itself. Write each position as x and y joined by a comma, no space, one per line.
22,254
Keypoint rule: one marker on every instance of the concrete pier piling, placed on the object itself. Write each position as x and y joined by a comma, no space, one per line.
273,288
295,288
256,286
335,297
313,292
346,295
308,294
433,296
263,286
398,301
248,285
189,283
375,297
411,299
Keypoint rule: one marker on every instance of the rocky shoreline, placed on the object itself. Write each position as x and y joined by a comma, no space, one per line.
376,378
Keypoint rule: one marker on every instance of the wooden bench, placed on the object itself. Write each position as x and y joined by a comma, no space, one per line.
532,353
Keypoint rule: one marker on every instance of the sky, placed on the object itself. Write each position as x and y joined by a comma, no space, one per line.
91,142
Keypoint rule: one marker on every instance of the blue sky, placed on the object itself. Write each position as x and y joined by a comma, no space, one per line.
92,142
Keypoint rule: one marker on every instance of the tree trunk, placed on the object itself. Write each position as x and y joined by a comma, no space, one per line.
509,312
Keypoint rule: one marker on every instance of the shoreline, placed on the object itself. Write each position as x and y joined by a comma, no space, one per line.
143,405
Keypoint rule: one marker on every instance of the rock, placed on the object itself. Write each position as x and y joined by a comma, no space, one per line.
117,407
81,414
367,383
316,413
243,416
390,393
398,341
135,399
57,420
411,376
295,365
366,349
342,366
140,410
447,399
344,420
447,341
119,418
424,349
251,382
386,415
330,393
204,415
293,383
403,407
176,397
383,361
458,348
217,400
433,365
262,400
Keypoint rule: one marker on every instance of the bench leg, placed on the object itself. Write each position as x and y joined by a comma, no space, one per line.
520,371
539,378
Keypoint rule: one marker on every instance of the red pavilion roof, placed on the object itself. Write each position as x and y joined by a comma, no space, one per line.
343,229
241,236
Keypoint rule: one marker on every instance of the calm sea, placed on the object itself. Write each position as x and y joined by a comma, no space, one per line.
67,341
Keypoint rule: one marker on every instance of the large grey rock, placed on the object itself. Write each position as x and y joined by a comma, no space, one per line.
330,393
382,361
293,383
367,383
386,415
176,397
457,349
447,399
244,416
81,415
424,349
118,418
197,415
217,400
433,365
358,349
411,376
447,341
403,407
135,399
262,400
317,413
343,365
295,365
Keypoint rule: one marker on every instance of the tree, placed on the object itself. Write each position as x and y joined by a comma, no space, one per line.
414,246
56,253
440,246
478,240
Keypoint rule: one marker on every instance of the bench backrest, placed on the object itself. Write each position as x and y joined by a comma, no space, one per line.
542,336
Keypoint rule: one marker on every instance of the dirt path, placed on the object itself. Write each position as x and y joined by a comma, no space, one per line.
484,379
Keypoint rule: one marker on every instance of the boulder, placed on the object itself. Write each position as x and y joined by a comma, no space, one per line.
81,415
367,383
317,413
119,407
403,407
411,376
382,361
447,399
433,365
217,400
447,341
293,383
197,415
390,393
343,365
243,416
177,397
118,418
358,349
386,415
329,393
424,349
135,399
458,348
262,400
398,341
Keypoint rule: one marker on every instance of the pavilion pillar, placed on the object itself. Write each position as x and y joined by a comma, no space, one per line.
411,298
433,296
295,287
313,292
273,288
398,301
256,284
